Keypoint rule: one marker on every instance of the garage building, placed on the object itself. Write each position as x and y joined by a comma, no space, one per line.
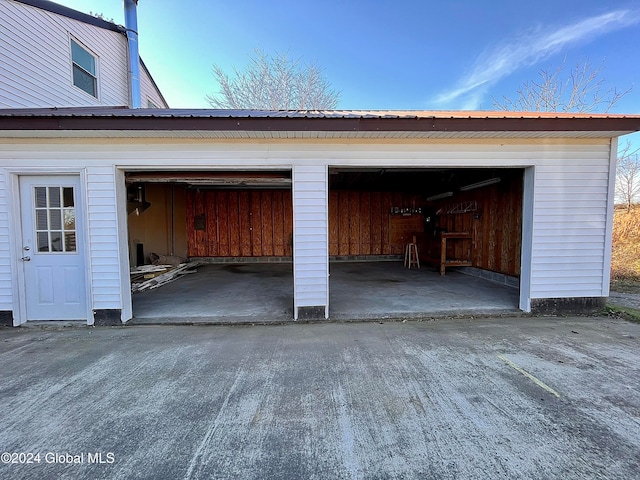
523,200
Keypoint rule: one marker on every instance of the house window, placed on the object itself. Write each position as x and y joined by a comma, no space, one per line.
84,69
150,104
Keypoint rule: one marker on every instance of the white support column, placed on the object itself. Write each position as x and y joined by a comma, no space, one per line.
611,200
310,241
526,256
123,245
103,244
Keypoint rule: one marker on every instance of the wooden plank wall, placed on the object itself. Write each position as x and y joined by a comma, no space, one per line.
497,233
251,223
239,223
359,221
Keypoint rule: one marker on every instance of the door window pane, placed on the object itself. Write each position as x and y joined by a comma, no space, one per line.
54,196
67,197
55,219
69,219
55,226
41,197
56,242
69,242
41,220
43,241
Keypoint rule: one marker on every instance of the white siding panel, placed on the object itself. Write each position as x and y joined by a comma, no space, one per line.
572,237
570,263
33,76
586,169
309,274
6,289
595,210
310,187
149,92
312,232
103,238
310,219
568,291
309,202
306,298
544,253
310,244
102,201
101,269
107,218
569,223
311,214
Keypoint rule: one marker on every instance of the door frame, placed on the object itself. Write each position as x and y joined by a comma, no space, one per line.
16,241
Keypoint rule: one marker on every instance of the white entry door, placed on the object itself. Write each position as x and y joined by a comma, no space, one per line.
52,252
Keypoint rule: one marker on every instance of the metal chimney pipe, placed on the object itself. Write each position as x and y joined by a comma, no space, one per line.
131,24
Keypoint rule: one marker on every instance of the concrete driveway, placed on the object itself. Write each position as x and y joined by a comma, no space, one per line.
454,399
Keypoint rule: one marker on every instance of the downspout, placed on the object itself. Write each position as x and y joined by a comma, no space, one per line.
131,24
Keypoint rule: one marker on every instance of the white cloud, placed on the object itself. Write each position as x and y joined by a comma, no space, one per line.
527,50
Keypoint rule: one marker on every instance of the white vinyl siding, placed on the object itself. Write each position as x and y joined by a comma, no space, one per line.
310,237
569,221
149,93
33,76
6,289
103,238
570,224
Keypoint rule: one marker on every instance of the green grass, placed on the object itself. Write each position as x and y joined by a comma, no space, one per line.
626,313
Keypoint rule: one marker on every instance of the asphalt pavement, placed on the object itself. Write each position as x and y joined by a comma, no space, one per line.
508,398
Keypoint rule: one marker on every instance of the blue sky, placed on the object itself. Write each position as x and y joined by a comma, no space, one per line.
401,54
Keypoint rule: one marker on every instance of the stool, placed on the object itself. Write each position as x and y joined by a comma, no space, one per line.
411,254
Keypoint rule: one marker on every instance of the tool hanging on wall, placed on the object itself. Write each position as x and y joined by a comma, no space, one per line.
462,207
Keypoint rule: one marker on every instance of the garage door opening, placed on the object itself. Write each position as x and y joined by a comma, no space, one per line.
466,224
229,234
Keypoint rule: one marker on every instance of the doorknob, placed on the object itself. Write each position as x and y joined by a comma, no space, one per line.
26,259
26,248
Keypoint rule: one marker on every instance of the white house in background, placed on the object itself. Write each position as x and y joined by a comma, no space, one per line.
53,56
533,192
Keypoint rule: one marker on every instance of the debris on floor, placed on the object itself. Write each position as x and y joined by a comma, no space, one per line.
146,277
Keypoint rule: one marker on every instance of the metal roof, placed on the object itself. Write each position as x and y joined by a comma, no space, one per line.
210,123
124,111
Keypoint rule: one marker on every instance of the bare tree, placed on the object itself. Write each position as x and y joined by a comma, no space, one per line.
628,176
274,83
584,90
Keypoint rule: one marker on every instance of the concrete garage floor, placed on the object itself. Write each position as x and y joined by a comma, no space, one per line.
373,290
217,293
414,400
263,293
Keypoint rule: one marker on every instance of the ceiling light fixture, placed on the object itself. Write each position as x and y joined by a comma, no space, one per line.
483,183
138,203
440,196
